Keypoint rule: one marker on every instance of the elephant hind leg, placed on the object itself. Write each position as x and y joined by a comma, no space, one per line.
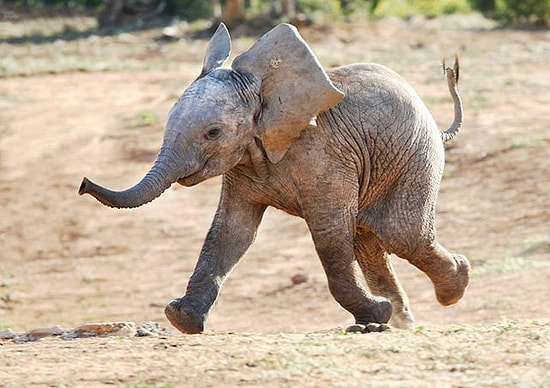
380,277
408,231
449,273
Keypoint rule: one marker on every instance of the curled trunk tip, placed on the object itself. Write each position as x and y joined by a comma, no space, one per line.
162,174
83,189
89,187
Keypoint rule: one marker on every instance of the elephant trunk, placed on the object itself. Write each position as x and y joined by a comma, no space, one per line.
159,178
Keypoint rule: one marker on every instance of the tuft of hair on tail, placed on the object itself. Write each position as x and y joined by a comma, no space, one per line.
455,70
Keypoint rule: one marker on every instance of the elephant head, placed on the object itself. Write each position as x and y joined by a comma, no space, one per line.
268,96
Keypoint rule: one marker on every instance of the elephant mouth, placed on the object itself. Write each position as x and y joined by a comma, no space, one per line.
188,181
191,180
202,173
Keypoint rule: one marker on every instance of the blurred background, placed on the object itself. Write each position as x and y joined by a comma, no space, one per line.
84,22
85,89
127,14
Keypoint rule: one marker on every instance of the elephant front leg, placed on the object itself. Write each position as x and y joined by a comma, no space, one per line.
335,247
230,235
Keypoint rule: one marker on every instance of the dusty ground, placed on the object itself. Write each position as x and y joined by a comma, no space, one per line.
95,106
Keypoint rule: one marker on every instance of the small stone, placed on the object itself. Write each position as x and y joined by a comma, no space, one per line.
7,334
299,278
122,329
151,329
36,334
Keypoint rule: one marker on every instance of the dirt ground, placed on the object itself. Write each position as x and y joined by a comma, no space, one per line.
96,106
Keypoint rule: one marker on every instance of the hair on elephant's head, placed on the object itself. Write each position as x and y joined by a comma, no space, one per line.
270,94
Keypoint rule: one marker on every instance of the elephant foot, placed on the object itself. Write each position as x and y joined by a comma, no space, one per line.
374,319
380,311
368,328
183,320
450,290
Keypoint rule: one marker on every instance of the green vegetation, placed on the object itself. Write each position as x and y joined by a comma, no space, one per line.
522,142
535,12
404,8
144,118
449,170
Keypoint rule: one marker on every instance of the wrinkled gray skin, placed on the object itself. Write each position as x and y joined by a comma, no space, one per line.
364,174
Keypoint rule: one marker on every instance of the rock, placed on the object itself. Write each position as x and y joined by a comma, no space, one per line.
7,334
299,278
36,334
122,329
151,329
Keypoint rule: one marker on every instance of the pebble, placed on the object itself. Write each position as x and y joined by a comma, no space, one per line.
36,334
7,334
119,329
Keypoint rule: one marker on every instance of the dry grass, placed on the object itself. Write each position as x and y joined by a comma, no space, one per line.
508,354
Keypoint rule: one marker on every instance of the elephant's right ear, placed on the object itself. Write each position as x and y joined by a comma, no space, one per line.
218,50
294,87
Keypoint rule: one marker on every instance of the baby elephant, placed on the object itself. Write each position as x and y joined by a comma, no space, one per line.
353,151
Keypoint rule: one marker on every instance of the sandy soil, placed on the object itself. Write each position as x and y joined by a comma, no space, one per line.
96,106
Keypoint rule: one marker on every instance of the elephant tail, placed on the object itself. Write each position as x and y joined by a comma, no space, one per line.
452,80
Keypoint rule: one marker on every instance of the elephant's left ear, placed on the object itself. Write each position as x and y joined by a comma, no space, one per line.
218,50
294,87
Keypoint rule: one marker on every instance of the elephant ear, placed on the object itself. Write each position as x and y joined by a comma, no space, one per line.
218,50
294,87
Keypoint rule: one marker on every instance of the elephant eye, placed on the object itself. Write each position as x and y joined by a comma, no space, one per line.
212,133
